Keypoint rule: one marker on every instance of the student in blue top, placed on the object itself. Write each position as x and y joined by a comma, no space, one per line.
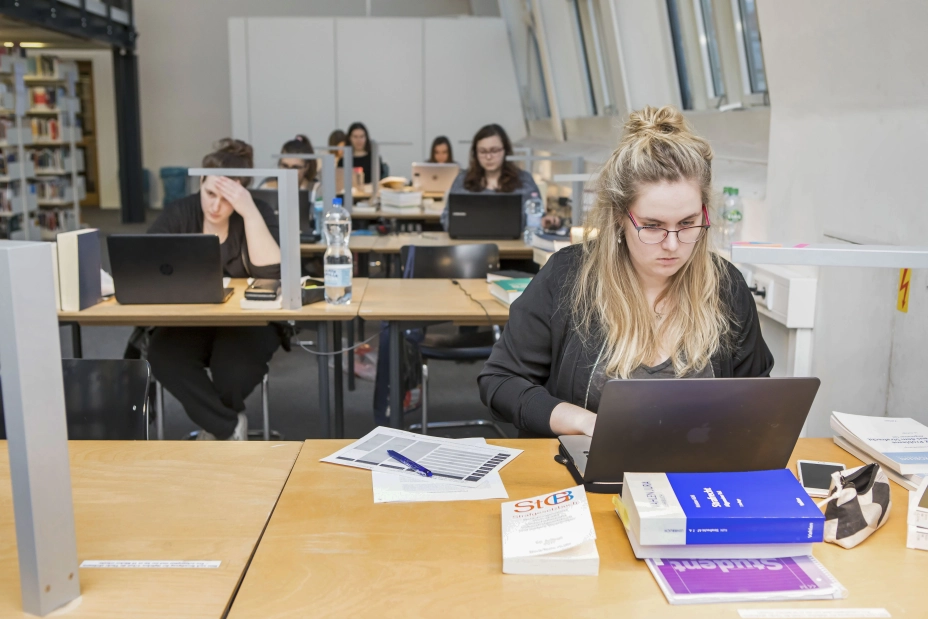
489,171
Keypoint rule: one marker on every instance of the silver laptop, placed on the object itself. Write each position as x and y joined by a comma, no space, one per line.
690,425
434,177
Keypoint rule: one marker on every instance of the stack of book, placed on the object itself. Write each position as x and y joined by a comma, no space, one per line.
898,444
715,537
544,245
550,534
917,534
506,291
400,201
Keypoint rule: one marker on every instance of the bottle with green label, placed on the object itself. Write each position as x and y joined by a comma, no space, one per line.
732,214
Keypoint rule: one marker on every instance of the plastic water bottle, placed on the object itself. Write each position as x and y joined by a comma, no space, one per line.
337,260
534,211
732,214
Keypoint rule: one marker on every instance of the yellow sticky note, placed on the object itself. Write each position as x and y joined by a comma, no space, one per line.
902,301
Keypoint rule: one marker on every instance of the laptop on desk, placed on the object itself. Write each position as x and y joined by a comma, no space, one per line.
434,177
689,425
485,215
167,268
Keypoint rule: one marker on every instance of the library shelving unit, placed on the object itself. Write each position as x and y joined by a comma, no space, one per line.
52,113
18,202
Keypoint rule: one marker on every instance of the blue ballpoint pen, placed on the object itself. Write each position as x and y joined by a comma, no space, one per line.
418,468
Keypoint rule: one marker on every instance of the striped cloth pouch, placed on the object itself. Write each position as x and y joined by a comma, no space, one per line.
857,505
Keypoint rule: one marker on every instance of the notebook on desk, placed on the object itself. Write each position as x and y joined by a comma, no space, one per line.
167,268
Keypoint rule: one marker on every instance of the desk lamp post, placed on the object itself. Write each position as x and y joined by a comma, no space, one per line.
347,167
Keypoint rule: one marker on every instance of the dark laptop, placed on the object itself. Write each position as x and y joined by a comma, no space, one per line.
690,425
485,215
307,231
167,268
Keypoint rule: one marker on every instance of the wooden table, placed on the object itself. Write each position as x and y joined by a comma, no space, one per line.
360,243
170,501
421,301
230,314
417,214
330,551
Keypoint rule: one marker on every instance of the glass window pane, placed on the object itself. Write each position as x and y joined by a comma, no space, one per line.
711,45
752,49
679,54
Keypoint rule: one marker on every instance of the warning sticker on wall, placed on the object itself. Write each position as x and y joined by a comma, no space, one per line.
902,301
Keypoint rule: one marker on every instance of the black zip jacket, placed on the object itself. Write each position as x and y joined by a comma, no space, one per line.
540,361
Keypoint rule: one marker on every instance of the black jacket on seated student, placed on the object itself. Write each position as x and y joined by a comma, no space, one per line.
361,152
237,357
643,298
488,170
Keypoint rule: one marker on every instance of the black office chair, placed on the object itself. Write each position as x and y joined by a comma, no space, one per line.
104,399
465,261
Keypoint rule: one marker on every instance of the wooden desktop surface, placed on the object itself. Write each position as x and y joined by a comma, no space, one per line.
158,501
432,299
392,243
417,214
228,314
330,551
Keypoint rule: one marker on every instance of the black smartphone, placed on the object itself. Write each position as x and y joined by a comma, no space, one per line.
263,290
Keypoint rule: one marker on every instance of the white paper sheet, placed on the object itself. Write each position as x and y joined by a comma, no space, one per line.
450,461
393,488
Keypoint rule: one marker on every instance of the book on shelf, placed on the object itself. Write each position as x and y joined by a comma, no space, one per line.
898,443
909,482
752,507
707,551
506,291
550,534
79,269
493,276
745,580
551,242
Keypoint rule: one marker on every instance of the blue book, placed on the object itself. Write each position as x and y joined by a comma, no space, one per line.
755,507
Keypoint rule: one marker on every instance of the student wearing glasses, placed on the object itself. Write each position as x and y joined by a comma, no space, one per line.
300,145
489,171
645,297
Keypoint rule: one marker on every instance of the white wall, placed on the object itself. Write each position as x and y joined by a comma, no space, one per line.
105,115
413,79
184,64
848,124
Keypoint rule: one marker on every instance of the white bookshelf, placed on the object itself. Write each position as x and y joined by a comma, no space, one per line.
59,185
15,183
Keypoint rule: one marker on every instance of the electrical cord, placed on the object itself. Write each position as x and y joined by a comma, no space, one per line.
471,297
337,352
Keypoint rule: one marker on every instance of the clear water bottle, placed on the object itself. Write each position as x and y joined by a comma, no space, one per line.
534,211
732,214
337,260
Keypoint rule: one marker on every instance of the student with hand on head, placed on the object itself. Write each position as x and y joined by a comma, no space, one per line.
488,170
360,143
441,151
300,145
236,356
645,297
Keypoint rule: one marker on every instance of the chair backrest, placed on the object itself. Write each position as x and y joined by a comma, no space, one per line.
464,261
104,399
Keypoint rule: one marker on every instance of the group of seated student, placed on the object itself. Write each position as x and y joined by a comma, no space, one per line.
646,297
237,357
489,171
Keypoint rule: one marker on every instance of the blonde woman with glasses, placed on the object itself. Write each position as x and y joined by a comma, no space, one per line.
644,297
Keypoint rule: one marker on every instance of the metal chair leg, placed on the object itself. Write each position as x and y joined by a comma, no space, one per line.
425,398
266,409
159,410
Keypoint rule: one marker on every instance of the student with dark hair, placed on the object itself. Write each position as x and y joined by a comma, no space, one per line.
441,151
338,138
300,145
489,171
360,143
237,357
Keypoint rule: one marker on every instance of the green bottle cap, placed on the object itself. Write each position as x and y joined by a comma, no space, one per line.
734,191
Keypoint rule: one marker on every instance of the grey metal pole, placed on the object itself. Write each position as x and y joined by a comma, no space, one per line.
36,427
347,171
576,213
375,168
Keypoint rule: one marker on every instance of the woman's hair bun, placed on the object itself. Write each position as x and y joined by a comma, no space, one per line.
237,148
665,120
